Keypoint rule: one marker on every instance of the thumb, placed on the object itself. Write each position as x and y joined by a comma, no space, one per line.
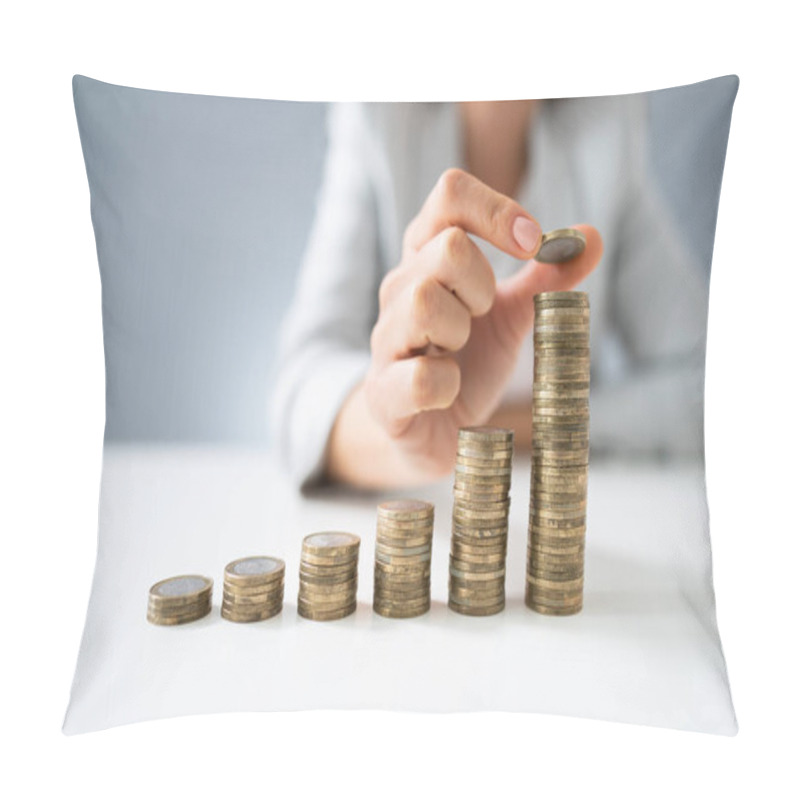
514,298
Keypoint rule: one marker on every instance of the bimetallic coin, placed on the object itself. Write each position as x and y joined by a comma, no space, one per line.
179,619
561,245
476,611
402,612
400,528
573,298
485,433
561,611
491,454
254,568
330,543
182,586
326,616
407,510
384,542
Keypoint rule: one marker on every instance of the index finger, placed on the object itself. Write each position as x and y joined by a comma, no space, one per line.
461,200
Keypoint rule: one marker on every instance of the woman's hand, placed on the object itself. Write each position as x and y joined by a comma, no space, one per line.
447,335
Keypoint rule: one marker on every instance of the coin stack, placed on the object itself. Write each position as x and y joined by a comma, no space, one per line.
183,598
253,589
560,453
328,575
480,521
403,558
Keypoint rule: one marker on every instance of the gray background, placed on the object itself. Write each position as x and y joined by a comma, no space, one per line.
201,206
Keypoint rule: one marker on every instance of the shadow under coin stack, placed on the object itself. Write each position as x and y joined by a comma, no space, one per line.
560,453
403,558
480,521
328,575
253,589
183,598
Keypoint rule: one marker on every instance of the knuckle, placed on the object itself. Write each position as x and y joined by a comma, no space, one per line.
454,244
422,389
451,183
453,378
423,300
496,213
464,328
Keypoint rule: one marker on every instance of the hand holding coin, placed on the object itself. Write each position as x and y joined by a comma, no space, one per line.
447,335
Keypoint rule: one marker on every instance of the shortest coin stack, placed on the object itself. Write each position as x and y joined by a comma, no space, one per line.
253,589
183,598
328,575
480,521
403,558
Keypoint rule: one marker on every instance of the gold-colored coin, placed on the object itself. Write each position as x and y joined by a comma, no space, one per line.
184,587
275,587
476,611
251,600
570,298
179,619
491,454
254,569
395,544
560,611
486,433
406,510
561,245
331,544
401,613
420,550
323,604
420,528
326,616
484,472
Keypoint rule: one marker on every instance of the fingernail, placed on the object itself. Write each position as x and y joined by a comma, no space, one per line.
527,233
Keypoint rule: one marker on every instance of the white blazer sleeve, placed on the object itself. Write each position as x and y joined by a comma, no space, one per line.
324,350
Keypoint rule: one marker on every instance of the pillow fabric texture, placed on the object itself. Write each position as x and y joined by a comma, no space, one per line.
209,214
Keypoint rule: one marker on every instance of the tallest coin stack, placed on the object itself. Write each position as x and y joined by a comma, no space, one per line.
560,453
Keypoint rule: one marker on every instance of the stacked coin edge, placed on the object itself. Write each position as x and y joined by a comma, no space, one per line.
328,575
403,549
479,537
560,454
253,589
168,605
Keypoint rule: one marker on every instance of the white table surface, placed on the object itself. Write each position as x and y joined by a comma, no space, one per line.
645,649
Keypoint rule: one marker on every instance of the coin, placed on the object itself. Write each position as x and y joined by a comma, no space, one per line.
476,611
254,568
165,620
495,454
486,433
561,245
181,599
403,551
559,453
481,503
571,299
404,529
330,543
387,542
402,613
406,510
186,587
328,575
327,615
